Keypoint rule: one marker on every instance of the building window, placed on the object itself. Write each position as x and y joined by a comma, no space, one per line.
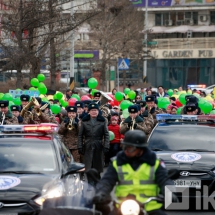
176,18
212,17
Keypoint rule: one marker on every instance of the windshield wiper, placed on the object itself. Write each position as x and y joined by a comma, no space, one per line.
21,172
196,150
156,149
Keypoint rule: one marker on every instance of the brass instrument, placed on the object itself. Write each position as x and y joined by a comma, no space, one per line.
103,100
3,118
39,111
133,122
70,126
31,103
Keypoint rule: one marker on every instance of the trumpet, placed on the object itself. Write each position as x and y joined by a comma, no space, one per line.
70,126
133,122
3,118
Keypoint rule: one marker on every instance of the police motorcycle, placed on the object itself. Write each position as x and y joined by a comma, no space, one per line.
82,204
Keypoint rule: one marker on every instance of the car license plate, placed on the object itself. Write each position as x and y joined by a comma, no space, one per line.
188,183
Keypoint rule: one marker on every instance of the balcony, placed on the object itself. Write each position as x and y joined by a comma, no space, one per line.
185,43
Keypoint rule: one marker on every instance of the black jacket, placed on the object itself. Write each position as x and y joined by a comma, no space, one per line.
110,178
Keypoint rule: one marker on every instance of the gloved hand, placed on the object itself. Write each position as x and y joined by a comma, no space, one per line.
105,150
81,151
135,125
130,124
20,119
101,198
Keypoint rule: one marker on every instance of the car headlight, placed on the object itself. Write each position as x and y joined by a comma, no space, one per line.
54,192
130,207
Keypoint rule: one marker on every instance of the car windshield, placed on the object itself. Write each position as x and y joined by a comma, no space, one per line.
27,156
182,137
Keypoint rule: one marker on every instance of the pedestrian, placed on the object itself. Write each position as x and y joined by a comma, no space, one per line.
161,92
115,143
6,116
142,93
15,109
93,139
69,132
136,171
114,91
136,122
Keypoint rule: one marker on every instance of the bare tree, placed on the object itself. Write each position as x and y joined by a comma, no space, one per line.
117,32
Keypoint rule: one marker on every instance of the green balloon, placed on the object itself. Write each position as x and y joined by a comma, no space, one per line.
182,98
32,88
111,135
35,82
119,96
55,97
55,109
41,84
92,92
17,101
41,77
59,95
76,96
179,111
125,113
163,102
170,92
92,83
65,104
131,95
201,102
8,97
125,104
44,99
11,103
126,91
1,95
207,107
43,90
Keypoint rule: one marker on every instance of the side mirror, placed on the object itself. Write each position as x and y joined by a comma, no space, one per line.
173,174
75,168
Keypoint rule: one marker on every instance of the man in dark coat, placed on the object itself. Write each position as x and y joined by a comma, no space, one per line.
93,139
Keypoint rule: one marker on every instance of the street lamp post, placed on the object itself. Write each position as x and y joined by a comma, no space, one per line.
145,40
72,62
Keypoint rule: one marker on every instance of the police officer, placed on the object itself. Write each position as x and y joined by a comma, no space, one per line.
6,117
133,166
136,122
69,131
15,109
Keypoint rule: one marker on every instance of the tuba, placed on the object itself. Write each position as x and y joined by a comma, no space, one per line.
104,99
70,126
31,103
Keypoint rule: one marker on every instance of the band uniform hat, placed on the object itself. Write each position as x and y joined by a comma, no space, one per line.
79,104
25,98
191,99
43,103
71,109
141,103
15,108
39,100
138,106
4,103
190,107
150,98
86,102
97,94
133,109
93,106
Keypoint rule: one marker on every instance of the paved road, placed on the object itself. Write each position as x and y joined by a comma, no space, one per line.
190,213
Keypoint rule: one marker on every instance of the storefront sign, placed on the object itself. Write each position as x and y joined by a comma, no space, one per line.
172,3
177,54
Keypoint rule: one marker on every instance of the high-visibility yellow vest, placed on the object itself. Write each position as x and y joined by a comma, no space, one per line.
140,183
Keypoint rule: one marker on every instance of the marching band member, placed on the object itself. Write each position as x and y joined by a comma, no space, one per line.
24,101
134,121
6,117
15,109
45,108
69,131
80,108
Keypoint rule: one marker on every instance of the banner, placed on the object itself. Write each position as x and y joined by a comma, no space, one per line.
172,3
18,93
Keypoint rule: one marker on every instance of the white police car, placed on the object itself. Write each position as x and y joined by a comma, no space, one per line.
34,166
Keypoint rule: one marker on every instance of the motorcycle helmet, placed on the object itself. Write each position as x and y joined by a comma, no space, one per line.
135,138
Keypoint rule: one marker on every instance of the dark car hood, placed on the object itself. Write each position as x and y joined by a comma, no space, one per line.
30,185
204,163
